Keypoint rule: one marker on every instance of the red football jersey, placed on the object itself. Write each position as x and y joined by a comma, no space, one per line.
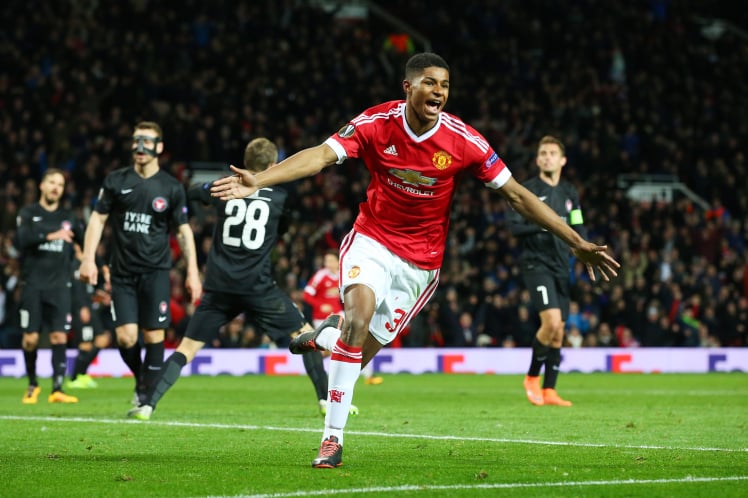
413,177
322,294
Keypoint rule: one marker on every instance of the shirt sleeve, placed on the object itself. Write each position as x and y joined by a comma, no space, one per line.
487,166
351,138
490,168
27,235
339,150
106,196
179,214
200,192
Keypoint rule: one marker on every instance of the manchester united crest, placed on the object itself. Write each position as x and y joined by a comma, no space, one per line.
354,272
441,160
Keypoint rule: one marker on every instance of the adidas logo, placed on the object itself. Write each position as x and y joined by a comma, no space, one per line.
391,150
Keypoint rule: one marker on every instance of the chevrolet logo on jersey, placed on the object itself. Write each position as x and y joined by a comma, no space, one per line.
412,177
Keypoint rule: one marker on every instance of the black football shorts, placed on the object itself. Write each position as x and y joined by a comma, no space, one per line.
142,298
548,291
45,310
271,311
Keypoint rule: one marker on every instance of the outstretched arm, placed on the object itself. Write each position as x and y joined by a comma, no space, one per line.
244,183
528,205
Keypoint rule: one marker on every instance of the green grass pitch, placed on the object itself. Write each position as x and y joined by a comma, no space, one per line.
423,436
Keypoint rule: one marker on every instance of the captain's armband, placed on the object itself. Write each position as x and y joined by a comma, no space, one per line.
575,217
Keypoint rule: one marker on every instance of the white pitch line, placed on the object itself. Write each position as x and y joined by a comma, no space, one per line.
516,485
374,434
659,393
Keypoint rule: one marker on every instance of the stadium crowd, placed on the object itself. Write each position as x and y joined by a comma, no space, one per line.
630,87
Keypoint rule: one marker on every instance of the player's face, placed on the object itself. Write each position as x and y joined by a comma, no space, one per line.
52,188
550,159
331,263
427,95
149,143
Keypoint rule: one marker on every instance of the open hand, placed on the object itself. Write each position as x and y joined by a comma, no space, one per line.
62,234
237,186
594,256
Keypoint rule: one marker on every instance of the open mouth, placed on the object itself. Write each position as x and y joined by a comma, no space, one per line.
433,105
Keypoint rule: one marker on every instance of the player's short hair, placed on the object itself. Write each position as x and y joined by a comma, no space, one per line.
550,139
150,125
419,62
332,252
53,171
260,154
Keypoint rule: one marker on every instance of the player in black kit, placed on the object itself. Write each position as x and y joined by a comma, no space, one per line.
90,309
45,239
239,278
545,269
142,203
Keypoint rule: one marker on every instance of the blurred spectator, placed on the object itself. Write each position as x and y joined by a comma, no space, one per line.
655,329
574,337
577,319
626,337
590,340
467,329
687,328
605,336
524,327
232,334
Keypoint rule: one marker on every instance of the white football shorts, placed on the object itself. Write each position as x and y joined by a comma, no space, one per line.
401,289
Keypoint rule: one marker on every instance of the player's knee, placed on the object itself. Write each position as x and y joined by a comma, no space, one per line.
57,338
30,342
102,341
558,331
549,330
126,341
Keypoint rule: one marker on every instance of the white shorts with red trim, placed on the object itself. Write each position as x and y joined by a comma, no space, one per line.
401,289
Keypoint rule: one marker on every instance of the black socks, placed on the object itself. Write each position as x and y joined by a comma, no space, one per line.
172,369
315,369
539,357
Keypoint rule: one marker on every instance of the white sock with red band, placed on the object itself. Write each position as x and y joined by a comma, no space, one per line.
345,367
